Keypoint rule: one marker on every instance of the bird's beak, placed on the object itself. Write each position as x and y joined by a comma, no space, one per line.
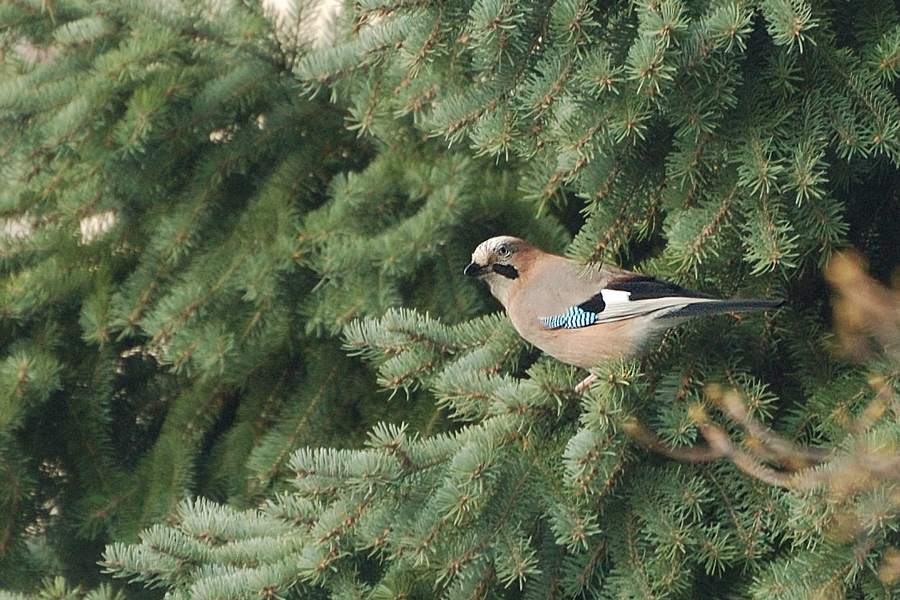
474,270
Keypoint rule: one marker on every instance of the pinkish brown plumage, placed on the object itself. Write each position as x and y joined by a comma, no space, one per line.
587,315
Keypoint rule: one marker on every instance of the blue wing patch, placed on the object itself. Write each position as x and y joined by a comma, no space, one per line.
574,318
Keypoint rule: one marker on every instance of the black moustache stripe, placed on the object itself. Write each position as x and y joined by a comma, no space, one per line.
507,271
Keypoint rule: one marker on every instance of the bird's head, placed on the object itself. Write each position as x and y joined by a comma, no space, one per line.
500,262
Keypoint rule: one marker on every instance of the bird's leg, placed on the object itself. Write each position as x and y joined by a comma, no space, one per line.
585,384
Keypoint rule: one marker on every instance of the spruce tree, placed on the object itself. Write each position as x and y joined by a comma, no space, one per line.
192,231
166,285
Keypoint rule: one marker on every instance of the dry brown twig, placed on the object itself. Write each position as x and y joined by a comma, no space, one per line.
867,461
867,320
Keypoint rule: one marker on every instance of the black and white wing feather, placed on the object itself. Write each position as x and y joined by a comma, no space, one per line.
644,296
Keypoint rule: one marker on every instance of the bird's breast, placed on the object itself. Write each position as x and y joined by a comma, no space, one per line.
583,347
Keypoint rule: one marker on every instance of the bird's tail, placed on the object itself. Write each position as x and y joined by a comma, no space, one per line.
718,307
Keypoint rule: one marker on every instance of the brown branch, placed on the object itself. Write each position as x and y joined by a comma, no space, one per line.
649,440
768,444
746,462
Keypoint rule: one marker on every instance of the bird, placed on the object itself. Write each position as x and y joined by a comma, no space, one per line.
586,315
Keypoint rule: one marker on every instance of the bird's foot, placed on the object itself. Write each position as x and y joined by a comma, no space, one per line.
585,384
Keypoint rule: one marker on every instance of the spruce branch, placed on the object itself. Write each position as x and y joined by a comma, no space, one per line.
854,479
789,22
797,467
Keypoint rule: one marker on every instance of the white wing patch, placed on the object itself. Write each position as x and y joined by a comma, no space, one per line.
577,317
615,296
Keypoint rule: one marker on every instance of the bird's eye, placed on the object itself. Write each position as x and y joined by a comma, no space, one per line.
503,251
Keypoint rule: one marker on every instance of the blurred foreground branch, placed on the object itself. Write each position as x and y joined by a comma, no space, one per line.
867,324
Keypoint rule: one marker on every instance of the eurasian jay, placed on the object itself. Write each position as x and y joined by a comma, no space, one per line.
587,315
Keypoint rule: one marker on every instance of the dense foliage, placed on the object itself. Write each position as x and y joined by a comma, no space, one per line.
238,352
